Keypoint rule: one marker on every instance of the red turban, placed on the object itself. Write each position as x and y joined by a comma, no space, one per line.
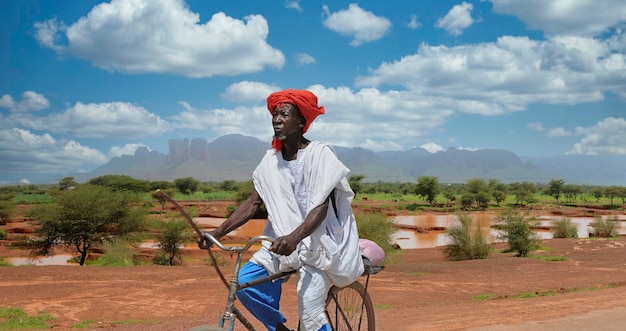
304,100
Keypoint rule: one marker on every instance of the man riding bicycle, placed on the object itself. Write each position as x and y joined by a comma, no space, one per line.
308,198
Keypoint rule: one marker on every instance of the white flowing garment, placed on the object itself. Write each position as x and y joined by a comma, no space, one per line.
334,245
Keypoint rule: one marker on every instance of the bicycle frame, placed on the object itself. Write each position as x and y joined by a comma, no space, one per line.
231,312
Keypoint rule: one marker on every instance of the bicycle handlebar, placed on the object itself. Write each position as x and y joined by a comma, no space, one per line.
209,238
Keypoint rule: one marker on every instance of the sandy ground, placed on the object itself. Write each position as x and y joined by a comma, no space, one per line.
421,291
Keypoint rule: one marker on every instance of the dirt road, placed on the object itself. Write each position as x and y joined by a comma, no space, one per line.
422,291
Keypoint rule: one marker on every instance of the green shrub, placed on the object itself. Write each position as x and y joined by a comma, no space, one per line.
3,234
605,227
173,234
160,258
564,228
378,228
467,242
413,207
515,230
118,253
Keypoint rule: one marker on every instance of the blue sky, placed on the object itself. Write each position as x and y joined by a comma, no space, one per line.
82,81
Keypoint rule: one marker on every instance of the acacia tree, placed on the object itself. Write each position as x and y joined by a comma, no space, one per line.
84,217
67,183
571,191
428,187
479,190
524,192
555,188
186,185
173,234
499,190
355,183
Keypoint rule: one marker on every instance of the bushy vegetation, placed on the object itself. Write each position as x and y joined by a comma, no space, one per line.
515,229
7,207
564,228
605,227
467,241
118,253
378,228
173,234
84,217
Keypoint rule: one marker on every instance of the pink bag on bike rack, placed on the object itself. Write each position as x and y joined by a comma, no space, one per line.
372,251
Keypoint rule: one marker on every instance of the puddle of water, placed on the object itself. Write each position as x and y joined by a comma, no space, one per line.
49,260
409,238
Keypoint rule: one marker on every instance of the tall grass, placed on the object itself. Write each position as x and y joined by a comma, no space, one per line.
605,227
118,253
564,228
378,228
467,242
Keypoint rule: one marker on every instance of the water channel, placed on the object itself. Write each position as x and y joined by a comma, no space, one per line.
411,234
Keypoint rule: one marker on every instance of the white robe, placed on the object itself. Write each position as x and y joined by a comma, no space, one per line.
333,247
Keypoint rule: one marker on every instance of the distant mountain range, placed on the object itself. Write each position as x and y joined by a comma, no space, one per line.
234,157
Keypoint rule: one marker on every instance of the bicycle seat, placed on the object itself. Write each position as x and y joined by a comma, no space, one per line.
370,269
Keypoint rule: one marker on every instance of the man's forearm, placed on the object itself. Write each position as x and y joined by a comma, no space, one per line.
240,216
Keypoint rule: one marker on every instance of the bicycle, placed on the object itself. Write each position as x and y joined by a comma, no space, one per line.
347,308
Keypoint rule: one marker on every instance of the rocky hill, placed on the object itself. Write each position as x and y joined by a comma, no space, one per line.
234,157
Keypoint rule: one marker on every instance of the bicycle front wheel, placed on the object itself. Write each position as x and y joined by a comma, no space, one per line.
350,308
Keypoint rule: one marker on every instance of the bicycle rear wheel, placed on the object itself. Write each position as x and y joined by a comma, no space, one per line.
350,309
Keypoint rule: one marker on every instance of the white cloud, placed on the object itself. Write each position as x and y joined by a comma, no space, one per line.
507,76
572,17
164,36
128,149
254,121
550,132
606,137
363,26
414,23
31,101
48,33
303,58
432,147
558,132
117,119
350,115
458,19
22,151
293,4
390,119
250,92
536,126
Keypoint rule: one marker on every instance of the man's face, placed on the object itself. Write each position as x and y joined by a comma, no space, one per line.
287,121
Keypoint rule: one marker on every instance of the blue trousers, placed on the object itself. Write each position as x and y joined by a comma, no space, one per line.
262,300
